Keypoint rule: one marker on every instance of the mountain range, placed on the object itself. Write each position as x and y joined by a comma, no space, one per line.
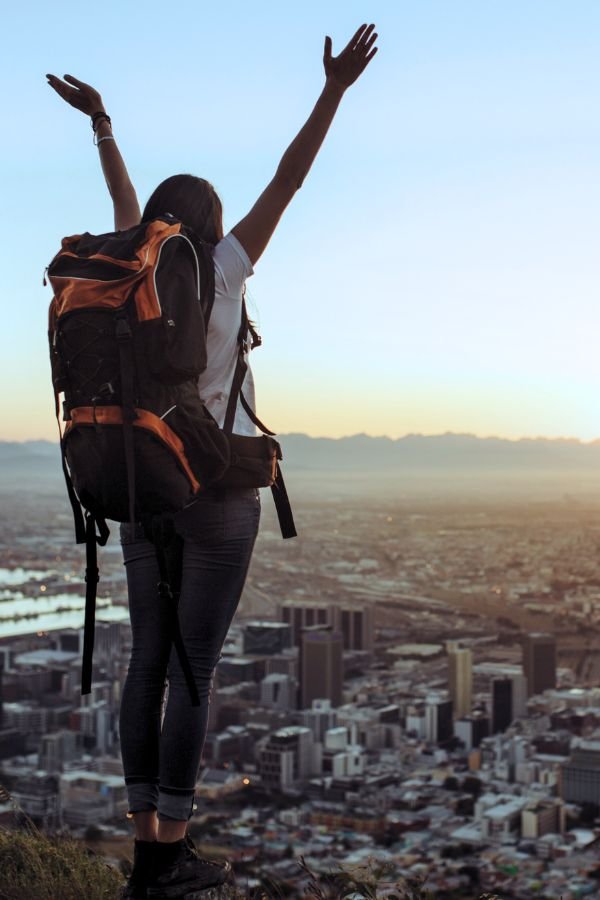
361,453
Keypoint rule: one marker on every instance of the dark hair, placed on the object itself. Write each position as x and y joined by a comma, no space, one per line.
193,201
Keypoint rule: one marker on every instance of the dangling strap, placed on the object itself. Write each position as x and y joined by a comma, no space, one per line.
85,532
241,367
80,533
91,589
169,554
73,500
278,489
253,417
283,506
123,334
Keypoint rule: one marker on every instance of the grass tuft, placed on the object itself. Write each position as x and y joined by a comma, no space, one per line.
36,867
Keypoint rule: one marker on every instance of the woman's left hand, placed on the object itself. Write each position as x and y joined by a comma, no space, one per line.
78,94
354,58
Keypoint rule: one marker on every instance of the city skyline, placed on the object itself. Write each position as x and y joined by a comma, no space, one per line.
437,270
367,757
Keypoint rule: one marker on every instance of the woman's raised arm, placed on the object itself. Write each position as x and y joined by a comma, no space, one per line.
255,230
86,99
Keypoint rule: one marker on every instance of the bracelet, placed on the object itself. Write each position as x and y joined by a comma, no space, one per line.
107,137
97,118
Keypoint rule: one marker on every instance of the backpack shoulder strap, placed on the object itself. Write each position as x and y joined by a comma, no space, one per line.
278,488
206,273
241,367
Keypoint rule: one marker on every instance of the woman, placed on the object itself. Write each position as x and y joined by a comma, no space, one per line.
161,764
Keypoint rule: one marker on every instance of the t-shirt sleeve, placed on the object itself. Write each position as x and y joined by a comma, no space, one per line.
232,264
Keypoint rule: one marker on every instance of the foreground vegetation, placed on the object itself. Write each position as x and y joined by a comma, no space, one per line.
36,867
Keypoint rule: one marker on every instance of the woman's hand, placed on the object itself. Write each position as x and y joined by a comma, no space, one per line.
85,98
354,58
78,94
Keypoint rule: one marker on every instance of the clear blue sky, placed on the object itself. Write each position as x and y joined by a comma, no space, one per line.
439,269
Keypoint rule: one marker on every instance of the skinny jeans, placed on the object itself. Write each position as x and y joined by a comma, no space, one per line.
162,748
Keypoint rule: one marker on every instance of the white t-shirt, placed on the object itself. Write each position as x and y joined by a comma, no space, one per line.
232,267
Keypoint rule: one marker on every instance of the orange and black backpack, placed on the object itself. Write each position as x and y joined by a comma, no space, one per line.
127,332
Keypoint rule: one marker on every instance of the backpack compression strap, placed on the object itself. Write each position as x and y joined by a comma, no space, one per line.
85,533
91,588
126,365
278,488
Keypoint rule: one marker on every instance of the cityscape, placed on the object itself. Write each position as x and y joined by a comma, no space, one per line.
414,679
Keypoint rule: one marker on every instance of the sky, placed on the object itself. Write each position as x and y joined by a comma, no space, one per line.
437,272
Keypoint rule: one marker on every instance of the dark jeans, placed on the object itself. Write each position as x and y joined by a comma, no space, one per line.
161,761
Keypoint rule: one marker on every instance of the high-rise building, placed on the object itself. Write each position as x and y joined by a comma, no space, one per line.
580,776
285,663
501,704
355,622
287,757
438,719
319,718
543,816
304,615
509,696
519,695
539,662
278,691
472,729
460,680
321,666
266,637
56,749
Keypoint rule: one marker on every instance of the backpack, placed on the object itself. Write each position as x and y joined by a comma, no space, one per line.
127,333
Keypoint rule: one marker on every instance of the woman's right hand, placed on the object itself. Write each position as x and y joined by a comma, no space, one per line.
77,93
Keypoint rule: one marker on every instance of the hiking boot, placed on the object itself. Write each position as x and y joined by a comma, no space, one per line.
144,853
180,872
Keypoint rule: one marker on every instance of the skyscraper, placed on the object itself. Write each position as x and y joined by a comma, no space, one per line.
305,614
509,700
355,622
580,775
539,662
502,714
321,666
460,680
438,719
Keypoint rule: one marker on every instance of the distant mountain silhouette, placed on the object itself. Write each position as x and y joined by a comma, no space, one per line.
444,452
451,453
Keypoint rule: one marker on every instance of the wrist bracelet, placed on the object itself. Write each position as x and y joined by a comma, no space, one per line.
107,137
97,118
